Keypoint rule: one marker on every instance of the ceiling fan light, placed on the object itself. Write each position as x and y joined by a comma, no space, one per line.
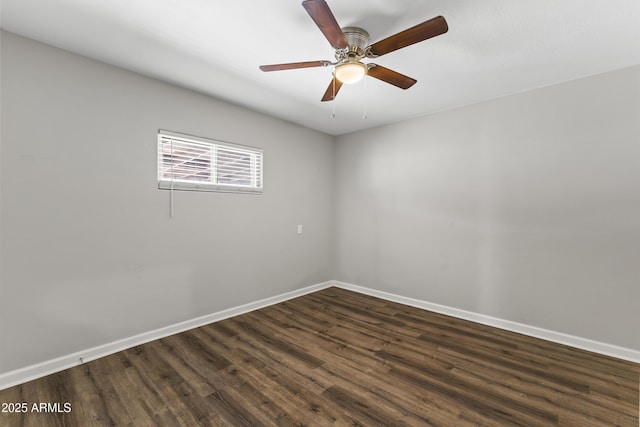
351,72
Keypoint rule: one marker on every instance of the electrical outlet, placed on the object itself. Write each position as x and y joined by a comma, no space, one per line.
299,228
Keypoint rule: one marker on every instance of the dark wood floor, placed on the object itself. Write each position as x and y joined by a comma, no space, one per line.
339,358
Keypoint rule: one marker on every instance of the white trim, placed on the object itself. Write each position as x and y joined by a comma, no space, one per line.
42,369
208,141
532,331
177,184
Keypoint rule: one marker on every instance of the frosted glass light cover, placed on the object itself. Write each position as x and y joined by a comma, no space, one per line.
351,72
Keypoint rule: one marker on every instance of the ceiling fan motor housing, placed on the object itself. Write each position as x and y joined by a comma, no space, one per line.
358,40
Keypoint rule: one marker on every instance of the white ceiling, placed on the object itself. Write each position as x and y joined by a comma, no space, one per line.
493,48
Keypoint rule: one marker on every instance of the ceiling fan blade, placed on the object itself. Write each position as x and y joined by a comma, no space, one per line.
324,19
293,65
389,76
431,28
332,90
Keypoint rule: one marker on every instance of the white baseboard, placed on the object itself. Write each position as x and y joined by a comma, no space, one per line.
28,373
532,331
40,370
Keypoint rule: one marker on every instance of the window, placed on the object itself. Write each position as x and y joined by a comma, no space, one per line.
193,163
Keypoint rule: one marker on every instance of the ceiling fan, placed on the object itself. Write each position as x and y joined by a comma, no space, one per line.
352,45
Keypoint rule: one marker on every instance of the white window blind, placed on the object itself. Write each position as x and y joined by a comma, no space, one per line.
193,163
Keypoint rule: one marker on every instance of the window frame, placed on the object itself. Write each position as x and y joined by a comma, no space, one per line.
257,165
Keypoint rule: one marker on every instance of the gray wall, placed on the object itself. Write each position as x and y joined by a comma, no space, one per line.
525,208
89,254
